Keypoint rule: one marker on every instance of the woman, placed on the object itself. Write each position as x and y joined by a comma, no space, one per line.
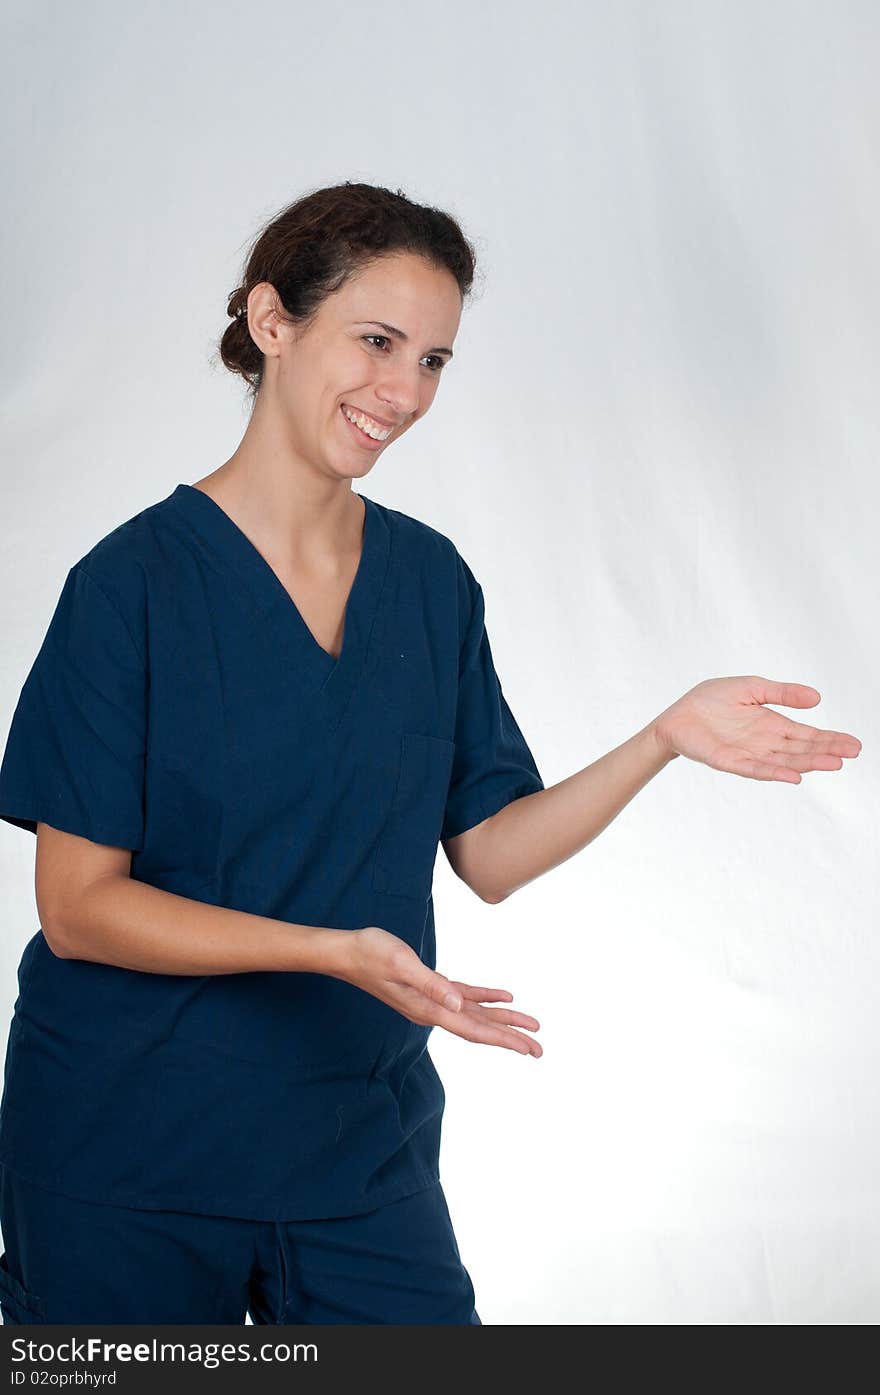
259,705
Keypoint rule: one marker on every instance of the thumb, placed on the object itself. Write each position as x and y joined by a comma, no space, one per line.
439,989
785,694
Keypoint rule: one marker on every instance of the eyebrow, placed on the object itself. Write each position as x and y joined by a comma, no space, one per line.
399,334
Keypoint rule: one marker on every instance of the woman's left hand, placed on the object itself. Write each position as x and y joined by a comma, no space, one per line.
722,723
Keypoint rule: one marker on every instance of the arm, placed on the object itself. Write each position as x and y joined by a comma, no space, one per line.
722,723
137,926
90,908
531,835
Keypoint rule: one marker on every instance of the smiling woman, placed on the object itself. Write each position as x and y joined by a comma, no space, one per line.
260,705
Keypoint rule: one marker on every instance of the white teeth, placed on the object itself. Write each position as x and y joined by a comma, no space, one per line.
366,424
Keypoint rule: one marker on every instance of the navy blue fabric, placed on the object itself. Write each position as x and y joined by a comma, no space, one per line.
179,706
73,1261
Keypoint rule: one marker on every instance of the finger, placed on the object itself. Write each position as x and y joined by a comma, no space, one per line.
482,995
473,1028
784,694
815,760
504,1015
831,743
743,761
760,770
438,988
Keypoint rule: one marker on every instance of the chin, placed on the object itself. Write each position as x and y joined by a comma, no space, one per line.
350,474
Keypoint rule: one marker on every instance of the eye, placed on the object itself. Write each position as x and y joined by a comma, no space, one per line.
437,360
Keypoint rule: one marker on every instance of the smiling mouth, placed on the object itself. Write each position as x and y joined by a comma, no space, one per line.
349,412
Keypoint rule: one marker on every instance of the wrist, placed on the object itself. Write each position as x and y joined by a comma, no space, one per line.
665,752
332,952
320,950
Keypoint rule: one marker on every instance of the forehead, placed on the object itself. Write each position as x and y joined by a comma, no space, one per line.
404,290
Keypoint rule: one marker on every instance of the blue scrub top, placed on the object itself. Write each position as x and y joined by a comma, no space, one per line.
179,706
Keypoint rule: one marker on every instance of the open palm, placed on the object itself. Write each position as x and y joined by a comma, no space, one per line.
722,723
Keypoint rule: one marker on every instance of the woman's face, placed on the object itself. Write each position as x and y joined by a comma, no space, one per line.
350,361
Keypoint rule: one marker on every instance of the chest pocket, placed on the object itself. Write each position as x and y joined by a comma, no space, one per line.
407,848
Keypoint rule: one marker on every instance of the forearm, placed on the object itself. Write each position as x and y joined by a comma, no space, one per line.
117,920
531,835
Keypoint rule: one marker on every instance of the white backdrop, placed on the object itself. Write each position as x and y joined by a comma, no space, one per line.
657,448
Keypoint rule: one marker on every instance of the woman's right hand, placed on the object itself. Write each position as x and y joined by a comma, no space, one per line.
385,966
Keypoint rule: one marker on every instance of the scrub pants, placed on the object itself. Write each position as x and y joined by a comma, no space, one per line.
72,1261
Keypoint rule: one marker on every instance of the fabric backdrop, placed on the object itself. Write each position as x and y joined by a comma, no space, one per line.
657,447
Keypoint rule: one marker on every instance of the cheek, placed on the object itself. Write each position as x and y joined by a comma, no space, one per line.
426,396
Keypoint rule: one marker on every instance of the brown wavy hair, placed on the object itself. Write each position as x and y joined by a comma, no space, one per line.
314,245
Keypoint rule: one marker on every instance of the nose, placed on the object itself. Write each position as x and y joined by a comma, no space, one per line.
399,393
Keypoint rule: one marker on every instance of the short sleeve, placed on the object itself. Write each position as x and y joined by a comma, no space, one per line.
492,764
74,756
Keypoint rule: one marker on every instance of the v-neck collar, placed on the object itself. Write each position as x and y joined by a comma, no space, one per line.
330,682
